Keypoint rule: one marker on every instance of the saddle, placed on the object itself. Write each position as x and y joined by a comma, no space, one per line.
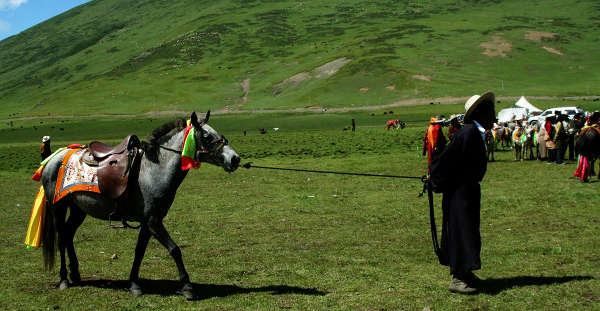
114,164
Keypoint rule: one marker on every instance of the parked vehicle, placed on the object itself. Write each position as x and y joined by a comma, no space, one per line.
569,111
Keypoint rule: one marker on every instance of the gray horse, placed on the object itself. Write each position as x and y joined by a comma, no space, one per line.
149,196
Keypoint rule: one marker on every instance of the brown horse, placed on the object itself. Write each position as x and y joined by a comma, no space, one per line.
503,136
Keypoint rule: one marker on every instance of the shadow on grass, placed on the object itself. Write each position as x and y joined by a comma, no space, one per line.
202,291
495,286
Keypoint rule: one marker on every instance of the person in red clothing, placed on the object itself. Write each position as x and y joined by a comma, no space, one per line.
434,141
389,124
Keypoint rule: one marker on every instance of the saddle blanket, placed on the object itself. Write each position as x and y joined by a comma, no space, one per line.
74,175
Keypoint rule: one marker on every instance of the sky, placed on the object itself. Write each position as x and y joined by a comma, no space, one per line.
18,15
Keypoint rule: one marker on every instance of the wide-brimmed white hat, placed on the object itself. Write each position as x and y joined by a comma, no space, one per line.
476,100
45,139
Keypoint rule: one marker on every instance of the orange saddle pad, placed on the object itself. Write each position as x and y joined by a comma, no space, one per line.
74,175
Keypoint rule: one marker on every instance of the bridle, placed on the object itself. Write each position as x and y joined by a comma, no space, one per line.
218,144
208,150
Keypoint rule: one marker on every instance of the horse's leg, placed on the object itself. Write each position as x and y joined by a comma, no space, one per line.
140,250
160,233
59,223
76,217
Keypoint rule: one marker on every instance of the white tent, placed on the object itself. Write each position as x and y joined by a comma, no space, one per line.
524,103
511,114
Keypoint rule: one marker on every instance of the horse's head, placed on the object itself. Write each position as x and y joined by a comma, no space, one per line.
213,147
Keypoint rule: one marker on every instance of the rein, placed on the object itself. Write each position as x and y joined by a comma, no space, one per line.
249,165
426,188
170,149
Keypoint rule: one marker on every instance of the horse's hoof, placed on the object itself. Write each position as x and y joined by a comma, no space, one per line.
64,284
136,290
75,277
188,292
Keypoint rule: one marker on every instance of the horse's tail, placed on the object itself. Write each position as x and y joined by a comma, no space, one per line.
49,237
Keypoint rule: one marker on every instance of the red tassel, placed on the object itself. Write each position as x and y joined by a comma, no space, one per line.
38,174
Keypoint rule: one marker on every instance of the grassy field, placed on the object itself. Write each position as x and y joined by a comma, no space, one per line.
110,56
265,240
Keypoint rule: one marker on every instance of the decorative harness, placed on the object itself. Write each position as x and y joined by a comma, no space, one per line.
219,142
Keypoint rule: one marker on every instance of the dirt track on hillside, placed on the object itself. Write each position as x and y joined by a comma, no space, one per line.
401,103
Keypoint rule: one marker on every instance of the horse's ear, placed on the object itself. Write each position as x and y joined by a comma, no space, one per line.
194,120
206,117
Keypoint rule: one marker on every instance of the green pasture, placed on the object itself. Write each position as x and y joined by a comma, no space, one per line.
267,240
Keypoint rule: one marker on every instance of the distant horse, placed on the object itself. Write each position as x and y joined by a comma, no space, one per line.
503,136
517,140
490,144
395,124
150,195
588,145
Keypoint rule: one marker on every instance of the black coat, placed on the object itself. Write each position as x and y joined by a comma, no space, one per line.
456,172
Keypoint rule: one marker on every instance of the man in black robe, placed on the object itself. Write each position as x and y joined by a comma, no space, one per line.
456,172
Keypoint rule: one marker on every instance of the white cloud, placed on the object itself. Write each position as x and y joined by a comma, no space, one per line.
4,26
11,4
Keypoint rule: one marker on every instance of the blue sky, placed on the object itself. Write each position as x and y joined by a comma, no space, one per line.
18,15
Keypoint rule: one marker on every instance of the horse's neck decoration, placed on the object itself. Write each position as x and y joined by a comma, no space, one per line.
188,153
150,195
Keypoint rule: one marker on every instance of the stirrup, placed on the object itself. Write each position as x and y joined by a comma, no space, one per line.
111,226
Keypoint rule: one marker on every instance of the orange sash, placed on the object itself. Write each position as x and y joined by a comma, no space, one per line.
432,135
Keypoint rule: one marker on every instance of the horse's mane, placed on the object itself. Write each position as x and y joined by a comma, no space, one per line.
161,134
164,131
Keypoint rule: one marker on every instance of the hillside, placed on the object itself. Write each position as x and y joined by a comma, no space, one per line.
111,56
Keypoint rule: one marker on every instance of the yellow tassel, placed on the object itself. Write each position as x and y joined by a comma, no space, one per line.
36,221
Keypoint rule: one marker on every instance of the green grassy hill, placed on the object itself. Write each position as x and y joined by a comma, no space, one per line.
111,56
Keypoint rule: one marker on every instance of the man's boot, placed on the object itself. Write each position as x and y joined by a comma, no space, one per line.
461,284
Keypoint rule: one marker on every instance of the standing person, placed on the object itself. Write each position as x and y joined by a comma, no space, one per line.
560,138
551,131
542,137
434,141
456,172
45,150
575,126
454,126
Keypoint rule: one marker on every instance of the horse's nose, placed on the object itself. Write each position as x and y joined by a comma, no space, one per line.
235,161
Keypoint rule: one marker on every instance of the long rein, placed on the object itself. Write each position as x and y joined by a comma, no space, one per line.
426,188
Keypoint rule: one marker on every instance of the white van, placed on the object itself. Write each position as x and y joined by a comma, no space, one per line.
569,111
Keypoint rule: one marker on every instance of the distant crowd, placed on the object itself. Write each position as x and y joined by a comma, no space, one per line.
552,140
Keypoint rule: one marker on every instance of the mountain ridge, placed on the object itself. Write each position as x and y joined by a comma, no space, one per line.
122,57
